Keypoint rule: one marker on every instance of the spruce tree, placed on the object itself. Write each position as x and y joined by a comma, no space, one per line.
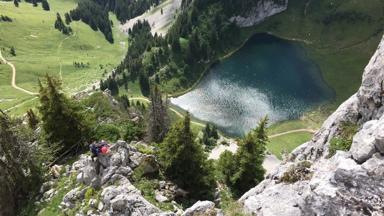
68,19
158,121
13,51
45,5
184,161
244,170
144,85
32,119
20,165
62,122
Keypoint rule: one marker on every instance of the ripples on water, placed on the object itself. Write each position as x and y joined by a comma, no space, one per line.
268,76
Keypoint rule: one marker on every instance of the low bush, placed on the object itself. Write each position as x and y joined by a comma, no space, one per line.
133,132
297,172
343,141
107,132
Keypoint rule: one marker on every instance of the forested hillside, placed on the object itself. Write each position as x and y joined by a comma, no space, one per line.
95,13
202,33
199,36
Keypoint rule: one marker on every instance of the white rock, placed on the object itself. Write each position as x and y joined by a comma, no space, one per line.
201,208
263,10
132,205
363,146
160,198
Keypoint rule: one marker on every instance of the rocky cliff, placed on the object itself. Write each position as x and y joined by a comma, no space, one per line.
348,183
263,10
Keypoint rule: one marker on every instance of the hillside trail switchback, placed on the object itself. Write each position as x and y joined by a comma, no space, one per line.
13,81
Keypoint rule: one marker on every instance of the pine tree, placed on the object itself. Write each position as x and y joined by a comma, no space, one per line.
13,51
32,119
45,5
244,170
68,19
144,85
158,122
62,122
124,101
184,161
20,165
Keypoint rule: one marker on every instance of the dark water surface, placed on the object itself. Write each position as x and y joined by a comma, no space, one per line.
268,76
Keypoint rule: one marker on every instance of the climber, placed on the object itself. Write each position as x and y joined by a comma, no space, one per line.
95,149
98,150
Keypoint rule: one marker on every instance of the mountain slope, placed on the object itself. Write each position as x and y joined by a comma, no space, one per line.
315,182
41,49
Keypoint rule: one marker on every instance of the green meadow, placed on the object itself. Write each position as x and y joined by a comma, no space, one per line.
41,49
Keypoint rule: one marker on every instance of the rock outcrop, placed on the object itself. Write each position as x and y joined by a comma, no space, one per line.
263,10
109,191
348,183
117,195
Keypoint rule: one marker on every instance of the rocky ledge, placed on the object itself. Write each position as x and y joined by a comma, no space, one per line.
263,10
348,183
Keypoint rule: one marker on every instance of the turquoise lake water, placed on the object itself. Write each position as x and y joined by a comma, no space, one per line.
267,76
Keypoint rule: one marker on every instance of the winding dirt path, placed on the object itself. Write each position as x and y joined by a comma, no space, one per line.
58,54
13,82
292,131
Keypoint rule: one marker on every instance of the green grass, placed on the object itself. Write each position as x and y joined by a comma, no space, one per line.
40,49
63,186
147,188
287,143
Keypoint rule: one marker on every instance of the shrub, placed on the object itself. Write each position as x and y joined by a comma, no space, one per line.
343,142
133,132
298,172
107,132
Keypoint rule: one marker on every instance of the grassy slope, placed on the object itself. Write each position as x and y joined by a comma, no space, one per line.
40,48
287,143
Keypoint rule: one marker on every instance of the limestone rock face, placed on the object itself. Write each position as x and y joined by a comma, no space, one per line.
365,105
263,10
348,183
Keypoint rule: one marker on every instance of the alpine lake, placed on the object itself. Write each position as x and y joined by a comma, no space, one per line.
268,76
